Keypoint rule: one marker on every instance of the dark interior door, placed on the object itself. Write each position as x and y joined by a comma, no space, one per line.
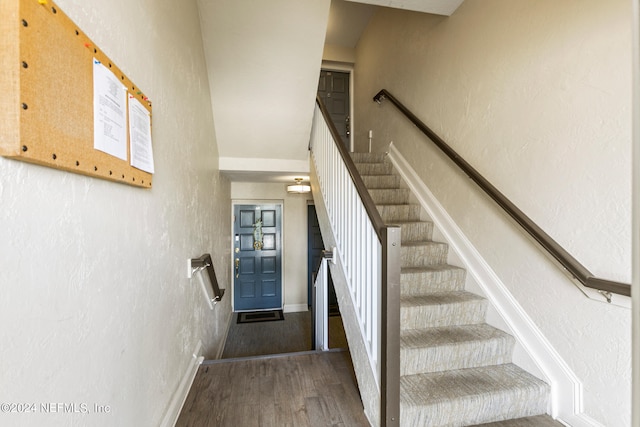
257,267
333,89
316,246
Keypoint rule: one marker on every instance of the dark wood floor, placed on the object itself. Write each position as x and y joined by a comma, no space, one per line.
309,389
539,421
290,335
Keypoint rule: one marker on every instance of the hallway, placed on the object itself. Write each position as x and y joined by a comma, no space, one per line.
300,389
269,376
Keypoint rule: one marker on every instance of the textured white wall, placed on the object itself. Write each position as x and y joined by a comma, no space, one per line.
95,305
536,96
294,235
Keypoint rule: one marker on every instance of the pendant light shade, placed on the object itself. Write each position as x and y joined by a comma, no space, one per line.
298,187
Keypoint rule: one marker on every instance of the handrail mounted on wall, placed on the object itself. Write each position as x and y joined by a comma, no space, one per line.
572,266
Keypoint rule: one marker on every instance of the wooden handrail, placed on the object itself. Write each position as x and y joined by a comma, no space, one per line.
572,266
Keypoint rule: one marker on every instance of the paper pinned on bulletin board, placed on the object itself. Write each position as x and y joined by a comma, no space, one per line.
140,136
109,112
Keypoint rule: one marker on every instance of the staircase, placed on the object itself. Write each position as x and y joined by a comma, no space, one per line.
455,369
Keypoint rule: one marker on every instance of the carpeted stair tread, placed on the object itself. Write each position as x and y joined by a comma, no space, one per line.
413,231
381,181
368,157
392,196
374,168
441,309
535,421
439,298
420,243
453,347
471,396
431,278
409,222
399,212
431,268
420,254
418,338
397,204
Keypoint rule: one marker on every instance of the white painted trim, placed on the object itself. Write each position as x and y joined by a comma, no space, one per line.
181,393
295,308
263,165
566,388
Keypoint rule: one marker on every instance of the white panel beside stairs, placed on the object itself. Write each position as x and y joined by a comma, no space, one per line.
180,395
566,388
365,373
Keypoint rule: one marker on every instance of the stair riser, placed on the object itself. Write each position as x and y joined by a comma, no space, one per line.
456,356
423,283
368,157
429,316
381,181
417,231
374,168
396,196
424,255
390,213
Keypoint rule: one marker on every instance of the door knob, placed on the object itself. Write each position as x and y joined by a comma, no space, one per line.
237,267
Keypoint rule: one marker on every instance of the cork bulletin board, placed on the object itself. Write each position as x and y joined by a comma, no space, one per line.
46,94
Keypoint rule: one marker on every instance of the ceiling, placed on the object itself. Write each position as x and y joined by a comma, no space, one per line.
263,63
436,7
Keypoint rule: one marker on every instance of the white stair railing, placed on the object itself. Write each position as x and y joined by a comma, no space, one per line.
369,252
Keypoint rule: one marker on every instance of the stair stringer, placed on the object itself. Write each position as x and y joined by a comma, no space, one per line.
365,373
533,352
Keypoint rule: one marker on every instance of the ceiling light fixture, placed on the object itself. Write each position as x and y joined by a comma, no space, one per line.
298,187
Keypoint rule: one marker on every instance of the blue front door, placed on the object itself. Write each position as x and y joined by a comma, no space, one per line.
257,257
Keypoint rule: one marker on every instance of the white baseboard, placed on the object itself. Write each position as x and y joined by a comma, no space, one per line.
580,420
294,308
566,388
180,395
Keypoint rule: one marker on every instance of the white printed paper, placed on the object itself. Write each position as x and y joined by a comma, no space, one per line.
140,136
109,112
